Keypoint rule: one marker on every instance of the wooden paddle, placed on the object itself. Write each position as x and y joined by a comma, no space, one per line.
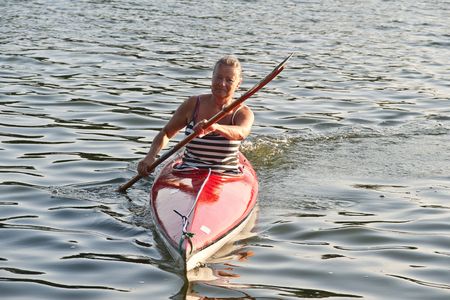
211,121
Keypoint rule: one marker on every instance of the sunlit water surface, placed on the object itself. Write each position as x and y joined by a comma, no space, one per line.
351,146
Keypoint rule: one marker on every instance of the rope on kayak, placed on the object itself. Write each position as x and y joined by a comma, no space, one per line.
185,234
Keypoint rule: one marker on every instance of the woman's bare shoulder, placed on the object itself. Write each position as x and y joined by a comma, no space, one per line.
246,110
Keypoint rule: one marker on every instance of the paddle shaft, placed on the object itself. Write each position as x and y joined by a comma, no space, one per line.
217,117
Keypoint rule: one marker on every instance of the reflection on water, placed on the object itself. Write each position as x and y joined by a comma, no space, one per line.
350,145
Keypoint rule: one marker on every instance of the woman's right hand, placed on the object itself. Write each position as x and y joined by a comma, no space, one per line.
144,166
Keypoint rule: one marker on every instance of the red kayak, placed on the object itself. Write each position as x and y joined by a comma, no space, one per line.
196,212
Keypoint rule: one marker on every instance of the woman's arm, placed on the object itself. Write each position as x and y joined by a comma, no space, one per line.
177,122
243,121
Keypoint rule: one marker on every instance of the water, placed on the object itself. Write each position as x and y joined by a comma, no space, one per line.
350,143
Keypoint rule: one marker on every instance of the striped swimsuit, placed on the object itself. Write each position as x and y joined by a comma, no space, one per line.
211,151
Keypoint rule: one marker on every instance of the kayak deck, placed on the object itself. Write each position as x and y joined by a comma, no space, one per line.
196,212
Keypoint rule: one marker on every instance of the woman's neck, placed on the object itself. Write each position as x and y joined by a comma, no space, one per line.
221,102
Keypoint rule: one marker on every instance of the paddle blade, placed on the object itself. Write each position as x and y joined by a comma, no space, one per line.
124,187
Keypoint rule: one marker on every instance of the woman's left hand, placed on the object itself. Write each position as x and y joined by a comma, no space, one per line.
201,130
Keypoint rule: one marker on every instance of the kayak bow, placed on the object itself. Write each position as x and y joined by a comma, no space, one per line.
197,212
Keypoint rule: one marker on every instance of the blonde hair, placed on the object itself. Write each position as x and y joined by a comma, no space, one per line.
229,60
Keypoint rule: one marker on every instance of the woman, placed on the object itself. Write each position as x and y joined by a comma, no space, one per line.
217,146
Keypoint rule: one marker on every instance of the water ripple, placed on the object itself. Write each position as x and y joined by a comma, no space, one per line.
59,285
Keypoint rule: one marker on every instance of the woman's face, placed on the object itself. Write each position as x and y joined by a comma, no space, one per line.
225,81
